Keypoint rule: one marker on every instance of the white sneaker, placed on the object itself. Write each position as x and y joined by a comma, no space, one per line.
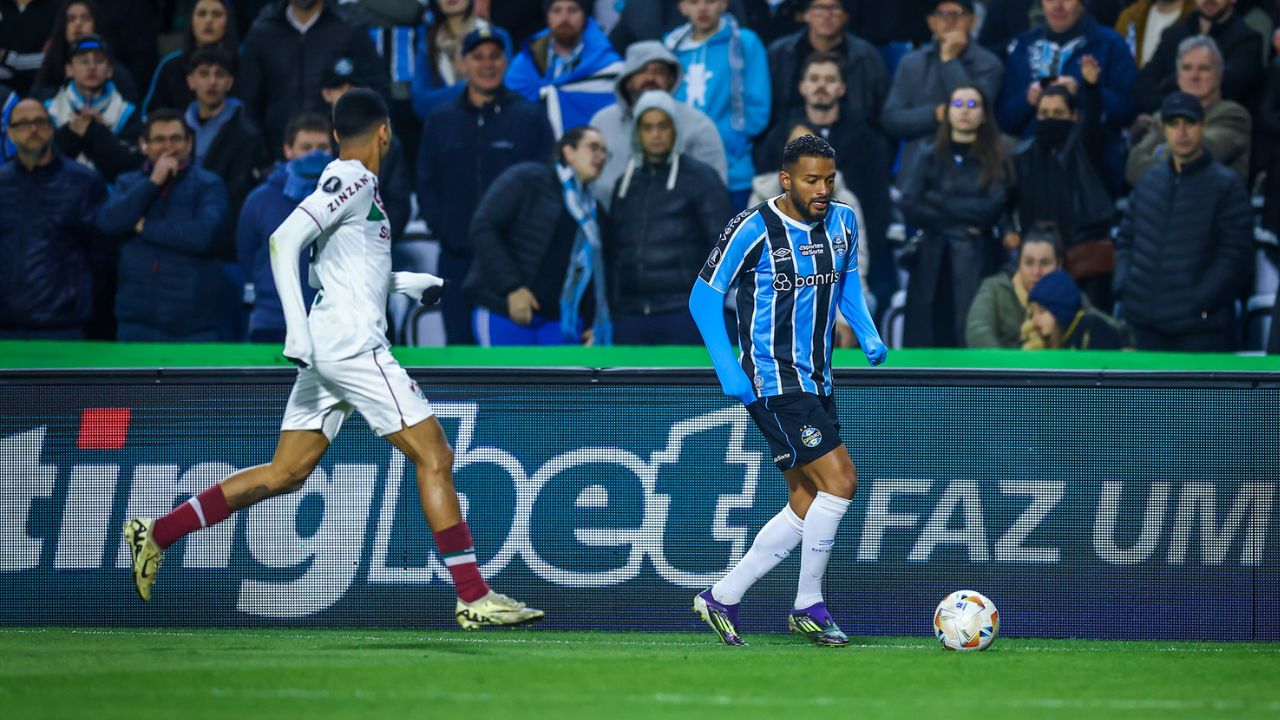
492,610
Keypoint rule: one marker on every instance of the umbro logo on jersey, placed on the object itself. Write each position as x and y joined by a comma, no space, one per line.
347,192
781,253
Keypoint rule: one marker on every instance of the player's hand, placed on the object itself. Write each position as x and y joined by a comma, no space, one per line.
521,304
299,350
423,287
875,351
737,385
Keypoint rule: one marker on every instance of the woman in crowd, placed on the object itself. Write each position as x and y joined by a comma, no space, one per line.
1060,321
954,194
538,248
998,317
77,18
213,24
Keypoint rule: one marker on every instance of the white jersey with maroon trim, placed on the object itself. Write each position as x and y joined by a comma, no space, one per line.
350,262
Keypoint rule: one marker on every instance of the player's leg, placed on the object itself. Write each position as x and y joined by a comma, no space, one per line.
427,448
834,480
719,605
296,455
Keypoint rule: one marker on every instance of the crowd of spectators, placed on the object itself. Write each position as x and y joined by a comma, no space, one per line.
1026,173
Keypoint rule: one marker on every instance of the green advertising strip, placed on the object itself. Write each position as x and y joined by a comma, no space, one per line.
98,355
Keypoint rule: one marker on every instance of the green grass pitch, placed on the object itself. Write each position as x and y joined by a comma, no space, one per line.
527,674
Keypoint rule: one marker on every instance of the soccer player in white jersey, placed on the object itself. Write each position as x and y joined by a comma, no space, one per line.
345,365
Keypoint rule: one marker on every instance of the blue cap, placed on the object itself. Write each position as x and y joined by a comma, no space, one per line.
491,34
1180,104
89,43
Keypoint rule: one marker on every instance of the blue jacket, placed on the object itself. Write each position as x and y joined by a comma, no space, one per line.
464,149
49,244
1118,76
170,277
711,59
578,94
263,211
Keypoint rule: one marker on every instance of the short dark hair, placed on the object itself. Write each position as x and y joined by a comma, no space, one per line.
358,111
309,122
571,139
806,146
1045,231
165,115
820,58
1058,91
211,56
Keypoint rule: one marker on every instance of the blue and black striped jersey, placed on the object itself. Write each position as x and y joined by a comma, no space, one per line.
790,275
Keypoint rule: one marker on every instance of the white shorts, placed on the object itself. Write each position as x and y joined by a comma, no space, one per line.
372,382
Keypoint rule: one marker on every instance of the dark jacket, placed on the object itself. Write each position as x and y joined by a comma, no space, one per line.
511,233
1063,185
1092,330
1241,48
49,244
865,77
944,197
110,154
281,70
170,278
464,149
922,82
263,211
1183,249
660,237
24,35
237,155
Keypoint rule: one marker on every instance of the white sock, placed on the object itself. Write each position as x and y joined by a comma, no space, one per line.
820,525
772,545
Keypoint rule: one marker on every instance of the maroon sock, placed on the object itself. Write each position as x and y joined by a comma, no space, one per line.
459,555
207,508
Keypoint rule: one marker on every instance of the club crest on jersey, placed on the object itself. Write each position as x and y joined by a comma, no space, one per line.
781,253
347,192
714,260
332,185
810,436
839,245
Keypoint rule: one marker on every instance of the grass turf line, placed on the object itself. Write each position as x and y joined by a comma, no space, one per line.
319,673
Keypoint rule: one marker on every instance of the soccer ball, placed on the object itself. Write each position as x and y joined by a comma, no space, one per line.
966,620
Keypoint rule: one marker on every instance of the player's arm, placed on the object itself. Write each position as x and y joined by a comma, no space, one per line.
423,287
853,306
287,242
706,303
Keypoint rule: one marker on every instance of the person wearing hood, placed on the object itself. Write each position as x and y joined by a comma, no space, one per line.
667,212
726,75
650,66
1059,183
227,143
570,66
1060,320
307,150
1053,54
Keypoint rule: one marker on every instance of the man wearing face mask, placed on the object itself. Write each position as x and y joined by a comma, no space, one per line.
1240,45
1059,183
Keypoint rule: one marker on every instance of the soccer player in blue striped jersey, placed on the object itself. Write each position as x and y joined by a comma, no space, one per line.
795,261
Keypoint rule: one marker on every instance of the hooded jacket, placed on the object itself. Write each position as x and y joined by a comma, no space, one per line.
708,84
666,217
700,138
576,95
264,210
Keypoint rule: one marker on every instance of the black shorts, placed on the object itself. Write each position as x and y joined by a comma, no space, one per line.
800,427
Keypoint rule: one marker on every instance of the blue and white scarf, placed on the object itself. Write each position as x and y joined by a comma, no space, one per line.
586,262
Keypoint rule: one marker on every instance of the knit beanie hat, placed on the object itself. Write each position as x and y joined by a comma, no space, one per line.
1057,293
584,4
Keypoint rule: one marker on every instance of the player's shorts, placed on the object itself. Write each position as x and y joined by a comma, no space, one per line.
372,382
800,427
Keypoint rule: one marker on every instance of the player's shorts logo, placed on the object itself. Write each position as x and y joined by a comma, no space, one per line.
714,260
782,282
810,436
332,185
839,245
